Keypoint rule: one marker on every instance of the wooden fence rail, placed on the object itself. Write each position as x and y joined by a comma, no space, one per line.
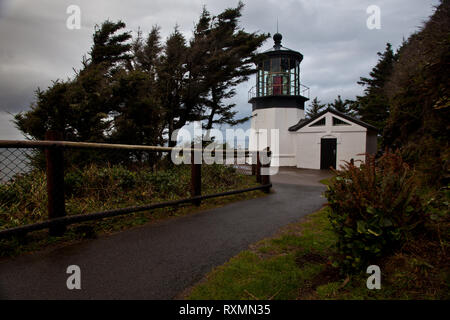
54,154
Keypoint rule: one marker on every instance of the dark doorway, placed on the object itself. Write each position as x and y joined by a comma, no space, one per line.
328,153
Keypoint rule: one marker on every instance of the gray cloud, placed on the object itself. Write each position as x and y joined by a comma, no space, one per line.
36,47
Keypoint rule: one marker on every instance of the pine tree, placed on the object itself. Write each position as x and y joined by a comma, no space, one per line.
171,73
92,94
51,111
109,47
314,109
80,108
146,54
230,61
373,107
138,118
342,106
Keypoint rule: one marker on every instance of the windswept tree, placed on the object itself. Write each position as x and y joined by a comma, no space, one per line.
171,82
51,111
146,53
229,61
80,108
138,117
197,78
110,47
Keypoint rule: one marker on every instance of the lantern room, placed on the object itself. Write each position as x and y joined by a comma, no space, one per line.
278,78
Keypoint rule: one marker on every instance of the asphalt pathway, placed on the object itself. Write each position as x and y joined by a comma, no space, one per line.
161,260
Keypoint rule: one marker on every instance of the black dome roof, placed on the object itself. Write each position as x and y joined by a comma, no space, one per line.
279,50
277,38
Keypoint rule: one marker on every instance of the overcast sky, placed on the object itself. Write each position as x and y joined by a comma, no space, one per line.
36,47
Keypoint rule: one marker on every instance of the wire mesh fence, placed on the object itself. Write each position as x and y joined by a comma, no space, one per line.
14,161
39,182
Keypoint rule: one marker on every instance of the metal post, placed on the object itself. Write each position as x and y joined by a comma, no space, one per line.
196,179
253,164
258,168
55,183
265,178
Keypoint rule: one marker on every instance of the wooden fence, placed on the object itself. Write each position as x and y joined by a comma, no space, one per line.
58,220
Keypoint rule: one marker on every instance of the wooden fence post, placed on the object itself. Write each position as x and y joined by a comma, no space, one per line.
55,182
196,178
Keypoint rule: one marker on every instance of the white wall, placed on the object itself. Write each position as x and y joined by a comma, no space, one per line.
308,150
302,148
351,141
276,118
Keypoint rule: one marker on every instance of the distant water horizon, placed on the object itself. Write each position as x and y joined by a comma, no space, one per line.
12,163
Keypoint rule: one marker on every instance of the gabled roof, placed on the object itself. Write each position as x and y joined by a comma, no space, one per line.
305,122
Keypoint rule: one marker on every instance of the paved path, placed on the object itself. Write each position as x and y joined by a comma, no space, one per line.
159,261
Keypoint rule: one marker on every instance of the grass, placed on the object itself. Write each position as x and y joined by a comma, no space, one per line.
273,268
325,181
297,264
24,200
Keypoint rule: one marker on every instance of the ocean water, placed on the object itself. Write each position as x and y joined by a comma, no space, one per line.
13,161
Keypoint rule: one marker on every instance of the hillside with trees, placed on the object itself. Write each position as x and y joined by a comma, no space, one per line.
393,209
418,92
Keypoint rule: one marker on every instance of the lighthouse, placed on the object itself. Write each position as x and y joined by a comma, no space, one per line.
278,101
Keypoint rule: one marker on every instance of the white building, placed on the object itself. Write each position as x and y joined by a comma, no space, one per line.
278,102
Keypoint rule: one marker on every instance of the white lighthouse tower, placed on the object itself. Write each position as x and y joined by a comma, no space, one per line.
278,102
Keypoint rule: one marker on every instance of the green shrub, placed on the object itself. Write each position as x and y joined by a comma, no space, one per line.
125,179
174,181
8,194
374,209
94,188
73,182
217,176
23,200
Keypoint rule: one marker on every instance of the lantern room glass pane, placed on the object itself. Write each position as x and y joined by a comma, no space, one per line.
285,84
278,76
293,63
259,83
266,83
277,84
275,67
284,64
